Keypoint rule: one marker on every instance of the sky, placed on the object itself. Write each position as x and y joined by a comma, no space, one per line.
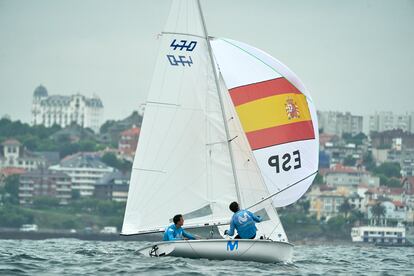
354,55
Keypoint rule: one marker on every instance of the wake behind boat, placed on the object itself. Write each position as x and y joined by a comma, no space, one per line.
224,122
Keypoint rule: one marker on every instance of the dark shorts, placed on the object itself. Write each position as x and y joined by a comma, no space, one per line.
238,237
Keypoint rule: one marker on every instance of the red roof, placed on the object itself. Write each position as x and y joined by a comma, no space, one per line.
398,203
131,132
386,190
339,168
11,142
12,170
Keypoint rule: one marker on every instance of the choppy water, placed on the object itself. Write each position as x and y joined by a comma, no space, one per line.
75,257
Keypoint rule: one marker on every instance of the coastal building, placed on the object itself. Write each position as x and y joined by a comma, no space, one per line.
338,123
338,150
395,211
392,139
85,169
13,154
379,234
65,110
47,183
113,186
340,175
385,120
325,201
127,143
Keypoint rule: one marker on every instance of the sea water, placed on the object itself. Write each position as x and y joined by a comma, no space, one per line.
76,257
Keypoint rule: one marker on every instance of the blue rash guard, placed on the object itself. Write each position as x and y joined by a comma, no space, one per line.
173,233
244,222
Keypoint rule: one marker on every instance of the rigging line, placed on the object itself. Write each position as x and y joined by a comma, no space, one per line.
195,252
284,189
160,103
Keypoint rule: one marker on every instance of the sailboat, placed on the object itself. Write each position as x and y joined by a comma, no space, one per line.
224,121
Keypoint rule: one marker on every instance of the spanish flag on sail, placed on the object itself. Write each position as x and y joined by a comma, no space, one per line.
272,112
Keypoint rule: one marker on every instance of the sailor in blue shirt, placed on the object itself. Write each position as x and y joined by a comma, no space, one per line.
244,222
176,232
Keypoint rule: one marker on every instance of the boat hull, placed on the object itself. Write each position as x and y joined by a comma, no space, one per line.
265,251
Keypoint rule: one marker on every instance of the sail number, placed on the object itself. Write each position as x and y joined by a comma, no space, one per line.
180,60
182,45
285,162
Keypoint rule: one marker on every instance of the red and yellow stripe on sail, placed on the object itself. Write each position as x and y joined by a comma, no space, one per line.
272,112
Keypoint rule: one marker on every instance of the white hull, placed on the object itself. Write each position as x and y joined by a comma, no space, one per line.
265,251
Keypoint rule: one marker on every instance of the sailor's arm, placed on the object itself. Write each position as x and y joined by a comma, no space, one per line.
188,235
231,231
254,217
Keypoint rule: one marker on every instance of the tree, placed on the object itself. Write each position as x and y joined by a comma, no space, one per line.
11,188
356,139
356,216
45,202
111,160
68,149
105,127
378,211
345,208
75,194
13,216
389,182
393,182
389,169
349,161
305,204
336,224
368,161
318,179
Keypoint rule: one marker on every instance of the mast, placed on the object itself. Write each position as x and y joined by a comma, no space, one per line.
221,103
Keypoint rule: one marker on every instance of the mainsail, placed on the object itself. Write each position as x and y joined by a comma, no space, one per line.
182,164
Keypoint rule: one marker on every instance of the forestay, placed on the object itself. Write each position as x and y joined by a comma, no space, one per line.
277,115
182,163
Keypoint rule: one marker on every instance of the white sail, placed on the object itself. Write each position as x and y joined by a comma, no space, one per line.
250,181
182,164
277,116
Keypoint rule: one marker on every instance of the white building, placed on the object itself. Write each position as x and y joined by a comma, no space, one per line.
85,169
13,154
64,110
386,120
341,176
337,123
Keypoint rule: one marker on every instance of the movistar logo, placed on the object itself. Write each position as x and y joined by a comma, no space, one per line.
231,245
243,218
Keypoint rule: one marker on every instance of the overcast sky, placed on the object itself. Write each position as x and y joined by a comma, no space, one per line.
354,55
